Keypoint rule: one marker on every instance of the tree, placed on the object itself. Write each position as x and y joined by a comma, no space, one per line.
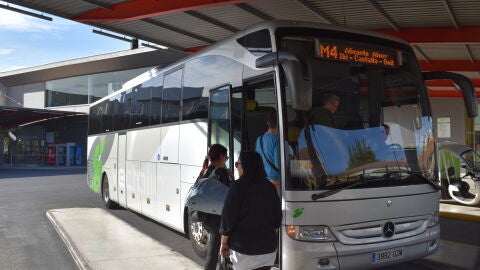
360,153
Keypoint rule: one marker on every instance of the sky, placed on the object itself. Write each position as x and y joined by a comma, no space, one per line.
27,41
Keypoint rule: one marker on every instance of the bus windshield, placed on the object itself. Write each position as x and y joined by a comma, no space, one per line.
369,118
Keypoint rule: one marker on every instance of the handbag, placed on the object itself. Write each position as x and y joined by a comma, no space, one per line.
224,263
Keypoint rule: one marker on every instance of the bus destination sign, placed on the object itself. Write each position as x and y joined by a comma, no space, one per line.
336,51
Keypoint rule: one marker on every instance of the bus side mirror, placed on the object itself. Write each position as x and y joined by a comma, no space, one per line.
462,82
298,75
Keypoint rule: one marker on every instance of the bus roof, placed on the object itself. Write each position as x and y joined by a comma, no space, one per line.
227,47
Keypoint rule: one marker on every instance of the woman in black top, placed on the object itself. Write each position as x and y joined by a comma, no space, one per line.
251,216
216,170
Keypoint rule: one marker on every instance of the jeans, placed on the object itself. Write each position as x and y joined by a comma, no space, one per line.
212,224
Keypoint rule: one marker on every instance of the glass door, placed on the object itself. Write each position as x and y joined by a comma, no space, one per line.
219,121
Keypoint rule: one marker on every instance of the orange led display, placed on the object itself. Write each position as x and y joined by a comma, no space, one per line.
355,54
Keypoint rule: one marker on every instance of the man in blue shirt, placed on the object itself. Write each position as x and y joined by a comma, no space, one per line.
268,146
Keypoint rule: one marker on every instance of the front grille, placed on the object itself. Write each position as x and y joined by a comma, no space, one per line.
372,232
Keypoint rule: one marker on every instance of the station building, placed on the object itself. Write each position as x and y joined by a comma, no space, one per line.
43,109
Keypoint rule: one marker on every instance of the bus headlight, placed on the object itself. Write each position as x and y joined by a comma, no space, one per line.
434,219
310,233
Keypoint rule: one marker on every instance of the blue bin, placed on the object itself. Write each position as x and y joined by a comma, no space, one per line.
78,155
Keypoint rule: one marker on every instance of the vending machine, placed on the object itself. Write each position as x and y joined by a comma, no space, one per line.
51,155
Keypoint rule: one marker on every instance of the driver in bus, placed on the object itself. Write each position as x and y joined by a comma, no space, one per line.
324,115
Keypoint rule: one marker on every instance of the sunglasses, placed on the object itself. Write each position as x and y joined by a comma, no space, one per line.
237,163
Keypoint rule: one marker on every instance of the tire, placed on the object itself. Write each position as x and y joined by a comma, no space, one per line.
199,237
109,204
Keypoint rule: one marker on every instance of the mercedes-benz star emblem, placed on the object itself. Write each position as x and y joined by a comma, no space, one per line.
389,229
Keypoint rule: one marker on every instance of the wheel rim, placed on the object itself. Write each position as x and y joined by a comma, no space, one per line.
106,195
199,235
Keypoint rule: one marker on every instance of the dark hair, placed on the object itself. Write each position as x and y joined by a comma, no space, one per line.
329,97
252,164
272,119
216,150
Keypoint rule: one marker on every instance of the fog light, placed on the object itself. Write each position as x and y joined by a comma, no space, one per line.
324,264
432,246
324,261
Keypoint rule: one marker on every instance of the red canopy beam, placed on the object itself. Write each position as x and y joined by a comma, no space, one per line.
141,9
448,93
436,34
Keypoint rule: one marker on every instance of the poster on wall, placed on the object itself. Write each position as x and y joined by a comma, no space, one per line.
49,137
444,127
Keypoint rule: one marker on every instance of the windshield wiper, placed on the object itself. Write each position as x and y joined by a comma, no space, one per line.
334,191
374,180
425,179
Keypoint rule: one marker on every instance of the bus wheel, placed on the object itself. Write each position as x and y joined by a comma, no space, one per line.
106,195
198,237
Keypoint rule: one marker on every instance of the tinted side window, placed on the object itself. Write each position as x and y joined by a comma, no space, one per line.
156,86
201,75
194,105
116,110
257,41
123,111
107,116
171,97
140,107
94,120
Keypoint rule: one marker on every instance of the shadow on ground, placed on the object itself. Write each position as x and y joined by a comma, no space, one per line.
21,173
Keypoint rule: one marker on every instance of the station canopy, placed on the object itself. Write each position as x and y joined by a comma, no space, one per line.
16,116
445,34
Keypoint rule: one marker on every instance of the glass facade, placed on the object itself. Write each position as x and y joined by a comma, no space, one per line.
87,89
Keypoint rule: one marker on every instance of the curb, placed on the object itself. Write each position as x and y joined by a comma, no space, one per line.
79,261
460,216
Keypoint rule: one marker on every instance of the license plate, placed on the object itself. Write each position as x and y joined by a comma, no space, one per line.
387,255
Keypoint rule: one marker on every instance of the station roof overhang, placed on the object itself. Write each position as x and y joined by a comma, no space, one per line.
15,116
128,59
444,34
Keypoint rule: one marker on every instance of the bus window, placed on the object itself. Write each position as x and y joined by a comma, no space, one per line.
220,117
140,107
194,105
260,102
122,117
172,85
94,120
257,42
107,116
156,85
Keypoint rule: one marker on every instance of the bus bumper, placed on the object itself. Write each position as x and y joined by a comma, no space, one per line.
335,255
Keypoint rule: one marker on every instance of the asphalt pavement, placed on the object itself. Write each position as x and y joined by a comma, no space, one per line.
29,241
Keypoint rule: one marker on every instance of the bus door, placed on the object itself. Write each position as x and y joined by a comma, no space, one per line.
260,102
220,120
122,147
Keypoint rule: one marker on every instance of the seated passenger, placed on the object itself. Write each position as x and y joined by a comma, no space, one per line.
324,115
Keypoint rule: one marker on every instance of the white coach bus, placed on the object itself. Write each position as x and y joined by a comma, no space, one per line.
357,194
